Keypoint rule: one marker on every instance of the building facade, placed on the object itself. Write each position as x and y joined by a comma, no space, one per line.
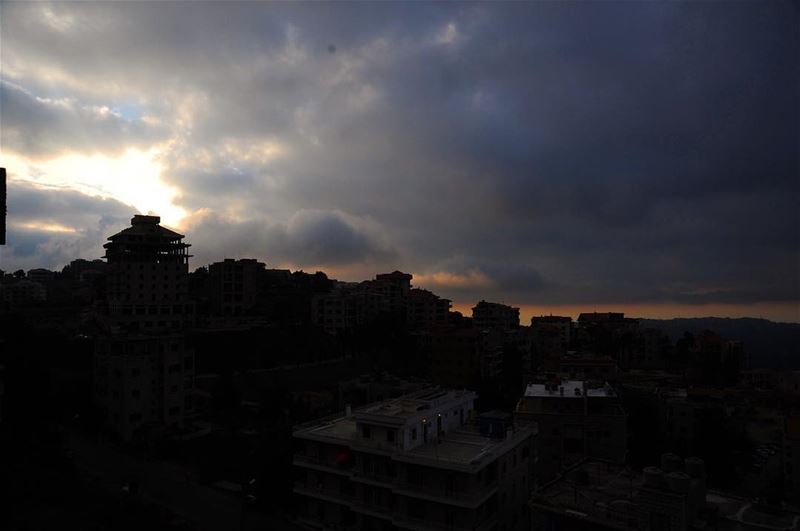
425,309
414,462
143,366
234,285
148,278
494,316
576,420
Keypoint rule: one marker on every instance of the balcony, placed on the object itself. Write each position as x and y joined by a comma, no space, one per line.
323,465
461,498
322,493
373,509
373,478
377,446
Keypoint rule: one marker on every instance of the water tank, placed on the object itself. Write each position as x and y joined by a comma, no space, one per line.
653,476
695,467
671,463
678,482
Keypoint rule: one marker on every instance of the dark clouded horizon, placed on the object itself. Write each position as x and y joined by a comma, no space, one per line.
544,154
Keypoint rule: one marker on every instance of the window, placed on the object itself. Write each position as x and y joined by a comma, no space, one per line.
390,436
365,431
414,434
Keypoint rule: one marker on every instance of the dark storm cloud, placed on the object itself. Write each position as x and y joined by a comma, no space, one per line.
311,238
49,227
537,152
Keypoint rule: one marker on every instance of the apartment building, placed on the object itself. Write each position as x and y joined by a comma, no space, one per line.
234,285
419,462
148,278
494,316
551,336
576,419
143,366
425,309
144,382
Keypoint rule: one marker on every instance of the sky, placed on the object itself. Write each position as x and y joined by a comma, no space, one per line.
609,156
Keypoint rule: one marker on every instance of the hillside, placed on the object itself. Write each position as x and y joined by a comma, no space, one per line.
768,344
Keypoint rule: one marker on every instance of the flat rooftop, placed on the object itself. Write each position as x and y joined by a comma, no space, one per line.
413,404
570,388
464,447
461,447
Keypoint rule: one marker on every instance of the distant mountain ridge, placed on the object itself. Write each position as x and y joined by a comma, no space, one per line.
768,344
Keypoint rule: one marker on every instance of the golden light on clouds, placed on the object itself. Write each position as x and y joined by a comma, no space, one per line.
46,227
473,278
133,178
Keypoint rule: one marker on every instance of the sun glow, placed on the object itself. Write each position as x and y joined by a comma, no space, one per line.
133,178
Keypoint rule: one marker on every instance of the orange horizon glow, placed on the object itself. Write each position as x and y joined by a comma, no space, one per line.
788,312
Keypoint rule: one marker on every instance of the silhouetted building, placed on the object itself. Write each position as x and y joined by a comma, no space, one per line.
576,420
340,310
608,334
83,280
714,360
349,304
695,420
425,309
376,387
22,292
81,269
235,285
143,368
144,382
43,276
577,367
494,316
607,319
414,462
651,350
392,291
551,336
455,357
148,268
